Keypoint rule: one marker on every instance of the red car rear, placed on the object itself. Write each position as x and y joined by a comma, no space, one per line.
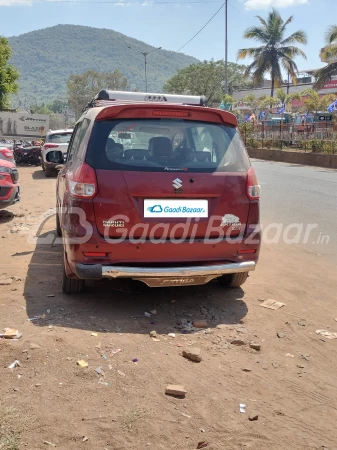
159,190
9,185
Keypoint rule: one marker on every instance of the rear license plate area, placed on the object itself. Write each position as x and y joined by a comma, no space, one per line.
180,209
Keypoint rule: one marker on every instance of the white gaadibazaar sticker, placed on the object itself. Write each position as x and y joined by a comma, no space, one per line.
175,208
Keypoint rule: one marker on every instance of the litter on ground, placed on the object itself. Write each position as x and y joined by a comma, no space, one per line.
272,304
327,334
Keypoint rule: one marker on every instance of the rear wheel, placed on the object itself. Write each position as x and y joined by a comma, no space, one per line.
70,285
233,280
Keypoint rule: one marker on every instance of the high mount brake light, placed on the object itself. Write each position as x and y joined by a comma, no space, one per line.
47,146
82,182
171,113
253,187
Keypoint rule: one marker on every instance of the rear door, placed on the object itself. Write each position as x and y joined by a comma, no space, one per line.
57,142
168,178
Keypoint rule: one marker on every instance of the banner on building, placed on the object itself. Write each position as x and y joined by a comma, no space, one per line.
23,124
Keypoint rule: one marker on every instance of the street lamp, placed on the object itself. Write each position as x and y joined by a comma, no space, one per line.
226,47
145,61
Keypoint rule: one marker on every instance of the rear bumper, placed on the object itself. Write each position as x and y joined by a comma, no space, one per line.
163,276
11,198
50,165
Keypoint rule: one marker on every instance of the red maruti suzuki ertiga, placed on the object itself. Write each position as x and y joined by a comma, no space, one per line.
157,188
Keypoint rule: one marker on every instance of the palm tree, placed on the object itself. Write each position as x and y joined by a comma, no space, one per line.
285,98
276,53
315,102
329,51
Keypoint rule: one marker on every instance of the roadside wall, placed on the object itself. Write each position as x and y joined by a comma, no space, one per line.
306,159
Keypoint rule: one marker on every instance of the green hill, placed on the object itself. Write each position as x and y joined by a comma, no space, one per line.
46,58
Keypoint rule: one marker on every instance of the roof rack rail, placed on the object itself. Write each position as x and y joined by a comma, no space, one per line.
105,96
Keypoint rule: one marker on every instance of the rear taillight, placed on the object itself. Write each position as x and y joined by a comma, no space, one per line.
48,146
253,187
7,153
82,182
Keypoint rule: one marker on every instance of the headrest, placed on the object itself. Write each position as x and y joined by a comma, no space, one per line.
160,146
183,152
199,156
136,154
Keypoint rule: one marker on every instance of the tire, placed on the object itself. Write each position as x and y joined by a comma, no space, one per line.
70,285
58,225
234,280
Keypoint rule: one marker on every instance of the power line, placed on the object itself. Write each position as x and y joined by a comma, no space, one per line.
235,7
190,40
210,20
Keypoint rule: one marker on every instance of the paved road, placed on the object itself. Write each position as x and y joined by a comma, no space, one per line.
302,195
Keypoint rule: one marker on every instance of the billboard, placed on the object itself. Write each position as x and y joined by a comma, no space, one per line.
16,124
331,85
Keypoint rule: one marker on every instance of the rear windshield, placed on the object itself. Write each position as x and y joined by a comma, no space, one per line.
166,145
59,138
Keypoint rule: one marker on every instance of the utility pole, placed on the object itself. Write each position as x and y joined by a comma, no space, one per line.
145,61
226,47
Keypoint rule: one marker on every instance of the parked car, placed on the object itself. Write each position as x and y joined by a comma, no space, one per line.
157,188
57,140
6,154
9,184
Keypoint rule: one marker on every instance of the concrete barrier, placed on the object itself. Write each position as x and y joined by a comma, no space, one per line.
306,159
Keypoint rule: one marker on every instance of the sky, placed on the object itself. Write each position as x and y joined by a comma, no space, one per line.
172,23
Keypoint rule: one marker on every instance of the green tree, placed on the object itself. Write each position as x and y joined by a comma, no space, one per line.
8,74
42,109
268,102
328,52
58,106
275,53
252,102
286,99
83,88
316,103
206,78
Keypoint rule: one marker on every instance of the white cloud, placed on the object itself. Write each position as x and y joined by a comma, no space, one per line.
266,4
123,3
15,2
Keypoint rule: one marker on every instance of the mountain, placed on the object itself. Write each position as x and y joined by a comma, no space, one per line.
46,58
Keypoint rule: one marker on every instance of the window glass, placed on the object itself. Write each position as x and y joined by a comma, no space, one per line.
77,137
59,138
160,145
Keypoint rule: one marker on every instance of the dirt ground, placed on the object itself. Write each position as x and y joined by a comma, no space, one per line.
49,401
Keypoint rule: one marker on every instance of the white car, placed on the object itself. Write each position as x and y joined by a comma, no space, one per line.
56,141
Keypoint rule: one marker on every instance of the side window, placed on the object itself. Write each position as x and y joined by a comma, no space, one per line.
77,138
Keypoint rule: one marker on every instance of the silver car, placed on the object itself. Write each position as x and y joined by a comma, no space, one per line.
56,141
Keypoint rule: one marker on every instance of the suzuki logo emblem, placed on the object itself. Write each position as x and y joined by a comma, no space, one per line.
177,184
